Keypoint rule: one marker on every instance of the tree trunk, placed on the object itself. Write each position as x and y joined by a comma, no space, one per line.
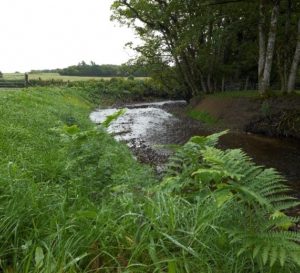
294,68
209,85
223,84
203,84
262,43
286,46
265,83
281,72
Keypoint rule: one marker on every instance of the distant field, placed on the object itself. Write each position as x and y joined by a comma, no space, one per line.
13,76
55,76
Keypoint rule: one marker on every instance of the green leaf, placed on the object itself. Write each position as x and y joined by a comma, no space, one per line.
172,267
296,257
209,175
256,250
284,221
71,130
222,197
113,117
282,256
274,254
265,254
200,140
39,257
90,214
187,249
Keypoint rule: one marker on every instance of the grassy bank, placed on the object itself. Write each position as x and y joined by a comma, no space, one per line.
74,200
52,186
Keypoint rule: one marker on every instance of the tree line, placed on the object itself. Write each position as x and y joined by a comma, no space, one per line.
201,44
94,70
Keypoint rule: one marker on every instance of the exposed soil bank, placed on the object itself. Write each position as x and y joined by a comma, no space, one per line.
278,116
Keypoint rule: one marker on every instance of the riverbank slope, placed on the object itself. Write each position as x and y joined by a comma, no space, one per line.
275,116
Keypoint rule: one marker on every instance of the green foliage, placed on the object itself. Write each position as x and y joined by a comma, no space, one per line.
53,179
115,88
113,117
74,200
108,70
202,116
201,46
253,199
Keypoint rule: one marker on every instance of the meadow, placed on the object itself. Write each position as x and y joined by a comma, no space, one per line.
72,199
56,76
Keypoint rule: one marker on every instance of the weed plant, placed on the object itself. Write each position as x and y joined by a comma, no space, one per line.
202,116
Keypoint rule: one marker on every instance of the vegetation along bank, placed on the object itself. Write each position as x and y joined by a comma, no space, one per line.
74,200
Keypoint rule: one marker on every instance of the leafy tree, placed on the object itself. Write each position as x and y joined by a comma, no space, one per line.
209,42
200,41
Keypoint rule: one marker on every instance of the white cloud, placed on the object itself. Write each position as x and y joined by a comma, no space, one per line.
37,34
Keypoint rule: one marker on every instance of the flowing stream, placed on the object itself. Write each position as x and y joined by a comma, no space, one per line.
150,128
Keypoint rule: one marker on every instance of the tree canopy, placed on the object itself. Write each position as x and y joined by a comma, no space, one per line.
201,45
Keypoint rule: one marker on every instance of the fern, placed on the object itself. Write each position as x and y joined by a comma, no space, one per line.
254,199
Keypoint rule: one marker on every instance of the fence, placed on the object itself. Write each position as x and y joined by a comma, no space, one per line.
17,80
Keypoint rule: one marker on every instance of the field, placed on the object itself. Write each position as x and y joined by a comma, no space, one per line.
54,76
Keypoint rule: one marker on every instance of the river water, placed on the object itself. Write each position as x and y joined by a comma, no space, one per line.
150,128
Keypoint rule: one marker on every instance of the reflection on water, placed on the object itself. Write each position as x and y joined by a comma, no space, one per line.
153,124
282,154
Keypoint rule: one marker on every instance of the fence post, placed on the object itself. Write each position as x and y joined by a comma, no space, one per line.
26,80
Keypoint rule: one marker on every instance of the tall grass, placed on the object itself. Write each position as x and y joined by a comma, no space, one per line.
74,200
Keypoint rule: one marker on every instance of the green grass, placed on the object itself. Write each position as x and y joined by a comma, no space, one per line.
74,200
237,94
48,181
202,116
245,94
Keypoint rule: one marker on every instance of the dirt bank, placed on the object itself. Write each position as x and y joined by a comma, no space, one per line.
278,116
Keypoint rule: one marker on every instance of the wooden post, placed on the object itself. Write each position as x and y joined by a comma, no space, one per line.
26,80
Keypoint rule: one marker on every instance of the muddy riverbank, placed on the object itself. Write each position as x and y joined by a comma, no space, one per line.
274,117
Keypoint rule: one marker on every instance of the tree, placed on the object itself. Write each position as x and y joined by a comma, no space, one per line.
207,43
1,74
201,42
266,43
295,63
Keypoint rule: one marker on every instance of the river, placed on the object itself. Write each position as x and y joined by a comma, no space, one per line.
150,128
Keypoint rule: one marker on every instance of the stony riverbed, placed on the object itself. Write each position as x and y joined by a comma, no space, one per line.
150,128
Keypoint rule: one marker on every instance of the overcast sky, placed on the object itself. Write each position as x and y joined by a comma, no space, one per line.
41,34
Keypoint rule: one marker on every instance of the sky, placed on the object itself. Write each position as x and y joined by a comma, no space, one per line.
47,34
